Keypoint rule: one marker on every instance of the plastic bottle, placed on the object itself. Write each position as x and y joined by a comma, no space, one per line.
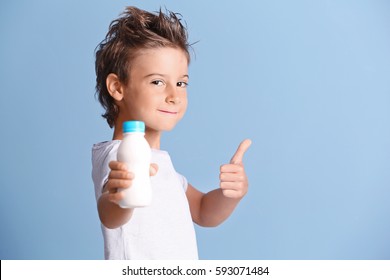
135,151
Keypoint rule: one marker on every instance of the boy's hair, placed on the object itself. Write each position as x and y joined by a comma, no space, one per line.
135,30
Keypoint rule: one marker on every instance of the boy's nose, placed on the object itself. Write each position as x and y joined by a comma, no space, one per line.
173,99
172,96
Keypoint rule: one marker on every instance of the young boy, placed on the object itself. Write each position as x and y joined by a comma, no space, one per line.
142,74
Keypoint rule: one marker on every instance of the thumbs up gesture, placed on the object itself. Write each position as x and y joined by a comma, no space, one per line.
233,180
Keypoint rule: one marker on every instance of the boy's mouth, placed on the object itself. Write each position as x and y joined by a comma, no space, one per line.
167,112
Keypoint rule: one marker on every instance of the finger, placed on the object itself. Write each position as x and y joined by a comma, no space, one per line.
239,155
231,168
232,194
117,165
114,184
153,169
229,186
115,174
231,189
116,197
231,177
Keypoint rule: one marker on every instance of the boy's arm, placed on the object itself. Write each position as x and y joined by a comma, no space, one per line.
110,214
213,208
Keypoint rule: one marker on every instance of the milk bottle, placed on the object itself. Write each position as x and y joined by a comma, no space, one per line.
135,151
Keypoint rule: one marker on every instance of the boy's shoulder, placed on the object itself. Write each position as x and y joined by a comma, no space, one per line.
105,145
102,150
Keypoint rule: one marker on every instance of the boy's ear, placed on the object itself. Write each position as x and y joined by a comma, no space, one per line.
114,87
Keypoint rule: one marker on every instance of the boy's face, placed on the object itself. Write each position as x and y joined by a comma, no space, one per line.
156,92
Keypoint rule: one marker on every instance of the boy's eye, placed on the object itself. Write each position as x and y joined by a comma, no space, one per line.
182,84
158,82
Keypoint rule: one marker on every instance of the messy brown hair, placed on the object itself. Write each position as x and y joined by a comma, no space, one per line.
134,30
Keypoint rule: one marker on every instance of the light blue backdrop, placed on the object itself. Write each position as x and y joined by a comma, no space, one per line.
307,81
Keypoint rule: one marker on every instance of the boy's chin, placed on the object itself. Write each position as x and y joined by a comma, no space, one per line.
163,128
169,128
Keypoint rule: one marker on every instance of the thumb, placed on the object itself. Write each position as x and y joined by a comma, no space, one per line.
153,169
238,156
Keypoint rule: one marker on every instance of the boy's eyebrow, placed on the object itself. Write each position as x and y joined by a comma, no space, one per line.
162,75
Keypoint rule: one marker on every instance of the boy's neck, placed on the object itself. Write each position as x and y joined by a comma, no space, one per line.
153,137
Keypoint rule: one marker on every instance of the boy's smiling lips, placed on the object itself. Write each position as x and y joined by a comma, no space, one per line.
167,112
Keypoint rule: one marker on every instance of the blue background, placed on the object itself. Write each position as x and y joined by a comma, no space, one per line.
307,81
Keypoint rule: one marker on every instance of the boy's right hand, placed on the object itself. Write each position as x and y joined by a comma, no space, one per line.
120,178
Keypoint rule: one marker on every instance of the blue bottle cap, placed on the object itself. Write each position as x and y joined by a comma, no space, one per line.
133,126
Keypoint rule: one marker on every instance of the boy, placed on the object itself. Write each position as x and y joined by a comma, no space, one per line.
142,74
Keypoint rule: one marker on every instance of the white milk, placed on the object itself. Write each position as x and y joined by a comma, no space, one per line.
135,151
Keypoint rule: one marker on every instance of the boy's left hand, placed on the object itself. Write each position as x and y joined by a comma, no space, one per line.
233,180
